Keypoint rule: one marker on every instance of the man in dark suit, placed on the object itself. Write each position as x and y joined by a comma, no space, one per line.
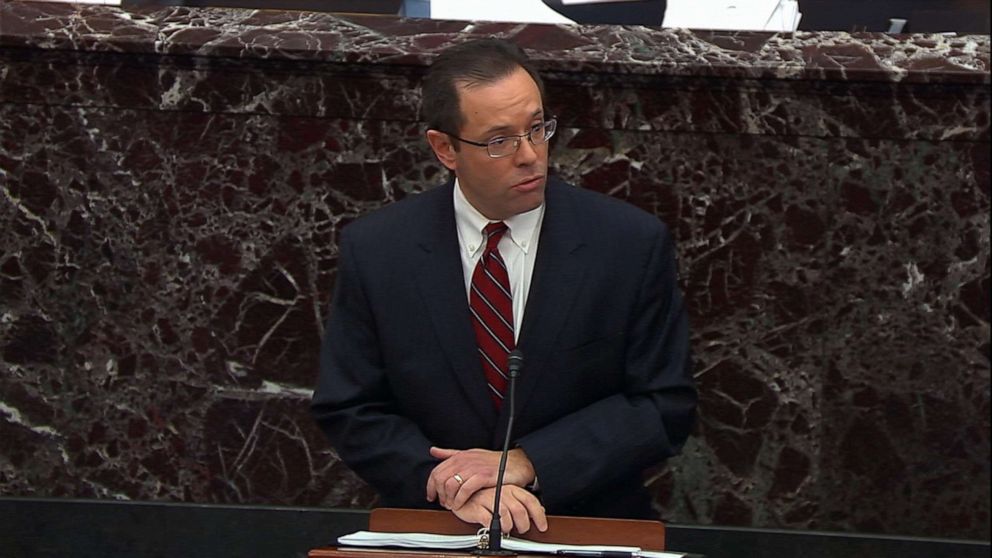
433,293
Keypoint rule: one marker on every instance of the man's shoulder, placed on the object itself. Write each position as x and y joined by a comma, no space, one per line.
400,217
601,209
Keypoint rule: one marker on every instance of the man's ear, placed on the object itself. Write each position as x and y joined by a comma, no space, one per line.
443,149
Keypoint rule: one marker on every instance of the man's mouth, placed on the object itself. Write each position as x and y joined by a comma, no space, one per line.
529,184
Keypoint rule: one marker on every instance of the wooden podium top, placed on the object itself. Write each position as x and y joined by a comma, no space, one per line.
647,535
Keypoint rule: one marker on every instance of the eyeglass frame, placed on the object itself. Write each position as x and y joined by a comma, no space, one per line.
518,139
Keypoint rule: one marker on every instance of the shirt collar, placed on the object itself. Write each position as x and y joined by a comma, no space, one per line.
470,223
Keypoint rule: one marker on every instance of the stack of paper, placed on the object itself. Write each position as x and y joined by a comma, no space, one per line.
459,542
741,15
410,540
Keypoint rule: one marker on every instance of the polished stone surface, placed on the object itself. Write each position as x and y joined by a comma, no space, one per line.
43,527
173,183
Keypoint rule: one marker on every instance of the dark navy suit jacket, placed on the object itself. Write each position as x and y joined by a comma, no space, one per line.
606,389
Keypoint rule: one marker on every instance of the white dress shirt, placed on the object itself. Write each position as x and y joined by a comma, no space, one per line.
518,248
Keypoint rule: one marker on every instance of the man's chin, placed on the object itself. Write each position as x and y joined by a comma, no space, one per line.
530,201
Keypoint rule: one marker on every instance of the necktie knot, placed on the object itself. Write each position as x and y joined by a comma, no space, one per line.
494,233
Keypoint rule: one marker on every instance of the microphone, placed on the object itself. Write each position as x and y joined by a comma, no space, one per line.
495,547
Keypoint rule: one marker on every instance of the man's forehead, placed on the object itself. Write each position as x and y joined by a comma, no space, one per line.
499,124
502,102
487,122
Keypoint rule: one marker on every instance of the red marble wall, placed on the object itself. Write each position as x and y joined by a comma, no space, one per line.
173,183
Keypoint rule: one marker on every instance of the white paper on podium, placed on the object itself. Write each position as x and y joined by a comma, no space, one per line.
410,540
523,11
370,539
740,15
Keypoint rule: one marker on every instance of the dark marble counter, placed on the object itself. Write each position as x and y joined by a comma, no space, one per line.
43,527
173,182
374,39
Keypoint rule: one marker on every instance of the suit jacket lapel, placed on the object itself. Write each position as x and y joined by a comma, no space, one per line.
558,273
442,283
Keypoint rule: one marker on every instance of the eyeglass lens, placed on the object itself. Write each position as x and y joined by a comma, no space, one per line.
539,134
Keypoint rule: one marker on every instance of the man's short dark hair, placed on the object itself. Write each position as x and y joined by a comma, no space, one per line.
470,64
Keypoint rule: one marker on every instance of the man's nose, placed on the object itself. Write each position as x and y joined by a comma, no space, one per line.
526,154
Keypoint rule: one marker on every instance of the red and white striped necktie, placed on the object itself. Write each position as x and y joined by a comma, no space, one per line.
491,304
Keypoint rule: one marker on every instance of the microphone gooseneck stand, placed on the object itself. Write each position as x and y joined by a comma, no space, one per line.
495,547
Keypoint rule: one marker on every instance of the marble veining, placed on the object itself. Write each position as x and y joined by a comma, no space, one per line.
261,34
173,181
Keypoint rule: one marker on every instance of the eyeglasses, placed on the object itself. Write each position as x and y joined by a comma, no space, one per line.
504,146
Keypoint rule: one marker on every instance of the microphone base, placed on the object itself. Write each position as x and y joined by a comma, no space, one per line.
485,552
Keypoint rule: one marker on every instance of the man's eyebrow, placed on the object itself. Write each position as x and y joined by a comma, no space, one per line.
506,128
498,128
